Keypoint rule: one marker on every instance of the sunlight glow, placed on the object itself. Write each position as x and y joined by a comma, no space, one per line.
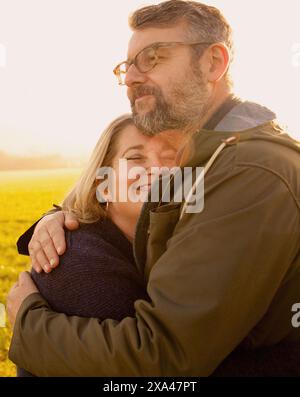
58,92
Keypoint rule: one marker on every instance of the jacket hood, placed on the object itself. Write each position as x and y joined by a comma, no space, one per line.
247,121
244,116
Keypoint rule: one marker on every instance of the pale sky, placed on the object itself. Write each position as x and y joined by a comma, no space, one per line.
57,89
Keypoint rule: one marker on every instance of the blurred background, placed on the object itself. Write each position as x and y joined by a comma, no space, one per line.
58,92
57,89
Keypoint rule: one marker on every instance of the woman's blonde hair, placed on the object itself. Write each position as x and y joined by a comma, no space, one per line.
82,200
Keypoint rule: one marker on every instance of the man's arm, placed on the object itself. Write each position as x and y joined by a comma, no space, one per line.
212,286
24,239
45,240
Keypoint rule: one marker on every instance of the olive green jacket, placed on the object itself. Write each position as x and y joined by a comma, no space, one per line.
227,276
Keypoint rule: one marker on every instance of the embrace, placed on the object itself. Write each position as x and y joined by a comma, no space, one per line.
148,288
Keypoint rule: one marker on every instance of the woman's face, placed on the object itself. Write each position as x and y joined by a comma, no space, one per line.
141,151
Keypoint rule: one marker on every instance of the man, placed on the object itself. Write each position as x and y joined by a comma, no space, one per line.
223,281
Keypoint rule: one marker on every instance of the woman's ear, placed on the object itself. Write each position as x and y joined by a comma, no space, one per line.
218,60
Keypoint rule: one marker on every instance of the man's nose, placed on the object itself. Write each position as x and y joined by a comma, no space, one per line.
134,76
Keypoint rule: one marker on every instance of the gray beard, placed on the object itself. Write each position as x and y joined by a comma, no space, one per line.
162,118
189,105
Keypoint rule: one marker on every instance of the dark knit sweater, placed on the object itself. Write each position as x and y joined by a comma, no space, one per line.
96,276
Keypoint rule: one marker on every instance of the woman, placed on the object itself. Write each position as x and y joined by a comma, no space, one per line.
97,276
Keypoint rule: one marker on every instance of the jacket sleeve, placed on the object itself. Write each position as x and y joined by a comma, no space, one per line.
213,284
24,239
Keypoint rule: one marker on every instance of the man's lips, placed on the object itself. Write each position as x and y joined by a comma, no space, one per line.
140,98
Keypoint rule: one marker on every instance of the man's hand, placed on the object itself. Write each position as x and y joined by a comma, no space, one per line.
48,240
19,291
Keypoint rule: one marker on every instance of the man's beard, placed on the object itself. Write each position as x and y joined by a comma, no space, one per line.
188,104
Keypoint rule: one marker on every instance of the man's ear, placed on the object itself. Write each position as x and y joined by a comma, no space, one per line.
218,60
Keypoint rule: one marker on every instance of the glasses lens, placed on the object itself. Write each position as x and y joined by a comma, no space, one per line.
146,60
123,67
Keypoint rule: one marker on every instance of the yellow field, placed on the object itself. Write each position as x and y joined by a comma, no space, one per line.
24,196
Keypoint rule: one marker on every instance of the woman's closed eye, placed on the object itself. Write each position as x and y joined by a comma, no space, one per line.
135,157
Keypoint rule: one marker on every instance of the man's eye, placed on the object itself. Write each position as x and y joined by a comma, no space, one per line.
156,57
150,56
162,52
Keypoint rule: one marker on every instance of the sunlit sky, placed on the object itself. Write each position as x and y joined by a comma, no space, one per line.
57,90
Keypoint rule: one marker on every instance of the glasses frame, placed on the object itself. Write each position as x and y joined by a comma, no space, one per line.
117,70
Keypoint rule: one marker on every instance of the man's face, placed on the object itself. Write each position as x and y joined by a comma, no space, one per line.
175,93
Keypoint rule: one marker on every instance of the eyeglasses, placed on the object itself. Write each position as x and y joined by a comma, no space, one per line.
147,58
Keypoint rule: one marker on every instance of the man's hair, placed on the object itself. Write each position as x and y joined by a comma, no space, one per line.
203,23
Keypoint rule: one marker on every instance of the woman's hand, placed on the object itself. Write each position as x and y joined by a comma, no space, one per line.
48,240
19,291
